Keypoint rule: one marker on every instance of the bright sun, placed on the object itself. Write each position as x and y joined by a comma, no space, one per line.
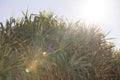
94,10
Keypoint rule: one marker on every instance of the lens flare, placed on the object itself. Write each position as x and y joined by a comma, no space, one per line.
27,70
44,54
30,67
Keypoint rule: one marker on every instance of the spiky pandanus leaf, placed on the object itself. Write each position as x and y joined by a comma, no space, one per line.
43,47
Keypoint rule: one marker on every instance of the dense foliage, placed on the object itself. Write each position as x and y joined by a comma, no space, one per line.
44,47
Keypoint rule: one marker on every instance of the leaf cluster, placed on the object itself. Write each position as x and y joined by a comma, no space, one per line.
45,47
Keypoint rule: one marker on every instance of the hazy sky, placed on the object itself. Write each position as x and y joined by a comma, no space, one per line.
105,13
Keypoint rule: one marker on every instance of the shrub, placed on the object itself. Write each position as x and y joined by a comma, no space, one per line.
45,47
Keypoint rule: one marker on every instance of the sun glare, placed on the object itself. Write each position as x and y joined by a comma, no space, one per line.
95,10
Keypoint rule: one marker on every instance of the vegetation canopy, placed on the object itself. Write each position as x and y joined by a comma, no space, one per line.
45,47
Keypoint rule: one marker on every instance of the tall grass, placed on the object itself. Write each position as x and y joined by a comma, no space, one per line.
45,47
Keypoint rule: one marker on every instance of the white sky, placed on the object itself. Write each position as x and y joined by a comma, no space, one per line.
70,9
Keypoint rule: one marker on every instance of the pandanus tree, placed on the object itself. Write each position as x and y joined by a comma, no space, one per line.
45,47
